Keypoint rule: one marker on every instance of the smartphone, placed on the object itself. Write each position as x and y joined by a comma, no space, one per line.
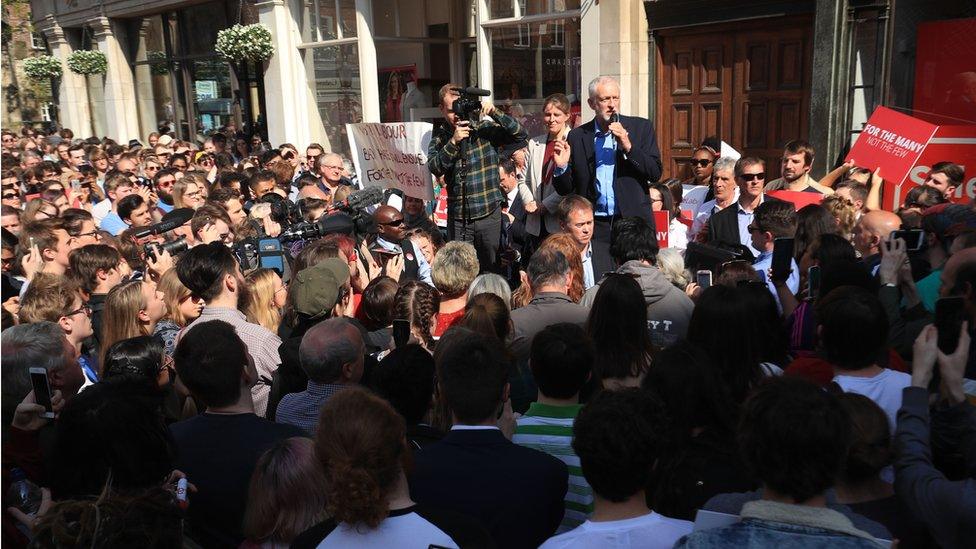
704,279
401,332
782,258
949,315
914,239
42,390
75,185
813,281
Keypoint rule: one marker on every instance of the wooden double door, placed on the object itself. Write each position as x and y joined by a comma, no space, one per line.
747,83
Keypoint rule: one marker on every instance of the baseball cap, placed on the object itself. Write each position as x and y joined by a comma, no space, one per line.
315,290
135,144
164,140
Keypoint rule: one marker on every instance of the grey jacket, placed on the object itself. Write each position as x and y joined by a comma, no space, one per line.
668,308
545,309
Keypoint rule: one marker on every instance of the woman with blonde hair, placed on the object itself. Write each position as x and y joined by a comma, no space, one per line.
190,191
454,269
844,212
286,495
362,448
264,296
131,309
181,309
561,242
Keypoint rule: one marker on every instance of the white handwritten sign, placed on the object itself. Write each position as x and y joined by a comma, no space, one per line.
393,155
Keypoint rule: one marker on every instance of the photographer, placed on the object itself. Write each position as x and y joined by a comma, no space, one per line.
463,150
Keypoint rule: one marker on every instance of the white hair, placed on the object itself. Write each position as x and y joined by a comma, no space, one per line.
601,80
491,283
724,163
672,266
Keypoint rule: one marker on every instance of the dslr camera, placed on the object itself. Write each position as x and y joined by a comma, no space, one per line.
174,247
467,106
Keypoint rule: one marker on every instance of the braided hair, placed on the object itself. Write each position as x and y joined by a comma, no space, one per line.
418,303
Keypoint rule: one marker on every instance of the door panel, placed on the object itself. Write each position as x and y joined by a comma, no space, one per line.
747,83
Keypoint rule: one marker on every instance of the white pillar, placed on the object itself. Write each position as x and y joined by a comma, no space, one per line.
369,81
121,114
145,100
285,96
624,51
73,111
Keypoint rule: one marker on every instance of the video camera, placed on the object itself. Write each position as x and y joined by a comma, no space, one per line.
467,106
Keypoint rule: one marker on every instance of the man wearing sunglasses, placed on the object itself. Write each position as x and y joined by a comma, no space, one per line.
395,251
731,225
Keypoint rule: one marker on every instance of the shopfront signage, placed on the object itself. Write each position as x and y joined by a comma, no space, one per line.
393,155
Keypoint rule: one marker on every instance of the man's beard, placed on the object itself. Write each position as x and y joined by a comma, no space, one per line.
166,197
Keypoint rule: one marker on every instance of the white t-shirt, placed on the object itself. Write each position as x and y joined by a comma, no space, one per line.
651,531
884,389
100,210
414,527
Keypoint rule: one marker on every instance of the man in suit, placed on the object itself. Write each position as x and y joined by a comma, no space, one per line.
513,209
610,161
731,225
394,251
514,491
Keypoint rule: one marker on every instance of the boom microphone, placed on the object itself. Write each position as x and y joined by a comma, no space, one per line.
360,199
176,218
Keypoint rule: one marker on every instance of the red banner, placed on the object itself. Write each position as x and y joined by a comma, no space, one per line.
661,225
893,142
799,199
951,143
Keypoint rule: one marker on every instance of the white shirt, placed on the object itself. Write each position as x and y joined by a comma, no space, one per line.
884,389
650,531
100,210
510,197
677,235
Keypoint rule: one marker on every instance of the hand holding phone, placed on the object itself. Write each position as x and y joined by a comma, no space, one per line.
782,258
42,391
704,279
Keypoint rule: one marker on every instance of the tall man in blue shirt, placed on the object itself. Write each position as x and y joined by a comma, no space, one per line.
610,161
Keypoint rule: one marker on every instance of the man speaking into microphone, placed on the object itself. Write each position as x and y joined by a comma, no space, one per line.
464,150
610,160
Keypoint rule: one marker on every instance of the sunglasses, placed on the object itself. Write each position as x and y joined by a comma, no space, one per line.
394,223
761,176
8,196
701,162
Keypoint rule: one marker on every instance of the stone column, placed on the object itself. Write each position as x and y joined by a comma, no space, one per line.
73,111
121,114
145,99
285,76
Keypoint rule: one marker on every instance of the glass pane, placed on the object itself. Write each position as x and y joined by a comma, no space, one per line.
198,26
532,61
213,100
500,9
335,88
326,19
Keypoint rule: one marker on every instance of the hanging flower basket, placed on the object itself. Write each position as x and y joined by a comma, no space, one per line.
87,62
42,67
245,43
158,62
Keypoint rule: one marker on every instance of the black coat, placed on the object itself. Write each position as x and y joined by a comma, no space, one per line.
634,171
515,492
723,226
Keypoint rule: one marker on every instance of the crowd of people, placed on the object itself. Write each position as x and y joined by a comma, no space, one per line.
533,370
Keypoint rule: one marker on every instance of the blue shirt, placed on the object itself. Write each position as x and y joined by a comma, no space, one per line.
605,155
423,268
589,279
113,224
302,409
762,266
745,218
164,207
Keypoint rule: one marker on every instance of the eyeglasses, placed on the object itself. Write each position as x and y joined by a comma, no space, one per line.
83,309
701,162
97,235
761,176
332,167
394,223
9,196
753,227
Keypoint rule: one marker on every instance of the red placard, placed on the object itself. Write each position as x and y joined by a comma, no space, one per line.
893,142
799,199
951,143
661,224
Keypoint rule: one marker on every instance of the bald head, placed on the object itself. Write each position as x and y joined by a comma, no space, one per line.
332,352
313,191
389,220
963,258
872,229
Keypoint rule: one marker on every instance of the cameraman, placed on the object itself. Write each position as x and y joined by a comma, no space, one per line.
464,152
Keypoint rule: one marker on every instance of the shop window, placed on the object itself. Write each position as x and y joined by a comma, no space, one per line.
329,20
335,87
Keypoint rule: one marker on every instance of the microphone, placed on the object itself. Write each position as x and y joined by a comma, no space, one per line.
360,199
615,117
476,91
172,220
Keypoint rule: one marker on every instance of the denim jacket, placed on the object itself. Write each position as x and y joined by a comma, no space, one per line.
770,524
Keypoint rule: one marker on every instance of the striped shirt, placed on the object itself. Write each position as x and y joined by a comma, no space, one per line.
549,429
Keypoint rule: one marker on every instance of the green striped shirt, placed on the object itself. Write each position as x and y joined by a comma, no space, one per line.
549,429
